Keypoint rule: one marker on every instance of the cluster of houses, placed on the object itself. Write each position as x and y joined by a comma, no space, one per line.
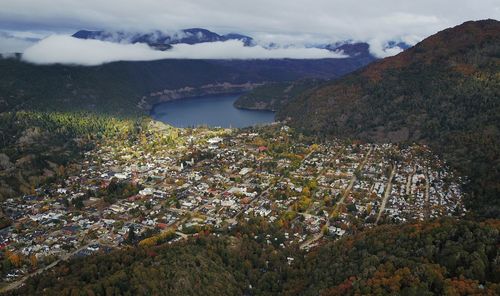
214,178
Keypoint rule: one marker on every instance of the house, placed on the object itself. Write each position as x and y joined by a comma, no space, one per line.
262,149
146,191
336,231
245,171
214,140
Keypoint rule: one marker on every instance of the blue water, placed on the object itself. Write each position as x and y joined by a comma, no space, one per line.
213,111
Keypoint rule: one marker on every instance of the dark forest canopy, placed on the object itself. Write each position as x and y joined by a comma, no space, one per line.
117,88
434,258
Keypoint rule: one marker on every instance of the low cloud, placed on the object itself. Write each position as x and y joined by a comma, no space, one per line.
10,44
69,50
380,49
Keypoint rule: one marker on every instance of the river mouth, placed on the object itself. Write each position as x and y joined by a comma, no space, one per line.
211,111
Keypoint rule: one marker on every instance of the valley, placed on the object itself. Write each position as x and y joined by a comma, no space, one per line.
170,184
175,177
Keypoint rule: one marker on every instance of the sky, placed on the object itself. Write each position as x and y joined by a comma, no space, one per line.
287,22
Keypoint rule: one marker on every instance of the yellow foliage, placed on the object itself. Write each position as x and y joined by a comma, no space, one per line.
15,259
259,142
148,242
33,261
304,203
154,240
306,191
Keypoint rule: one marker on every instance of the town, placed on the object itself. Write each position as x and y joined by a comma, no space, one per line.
174,183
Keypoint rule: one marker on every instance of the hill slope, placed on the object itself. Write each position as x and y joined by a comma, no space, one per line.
117,87
443,257
444,91
273,96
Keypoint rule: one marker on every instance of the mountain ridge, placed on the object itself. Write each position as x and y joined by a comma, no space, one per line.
444,91
157,38
117,88
164,40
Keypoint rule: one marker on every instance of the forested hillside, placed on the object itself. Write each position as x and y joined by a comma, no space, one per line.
116,88
37,147
436,258
273,96
444,91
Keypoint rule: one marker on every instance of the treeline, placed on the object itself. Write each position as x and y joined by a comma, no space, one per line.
441,257
117,88
67,124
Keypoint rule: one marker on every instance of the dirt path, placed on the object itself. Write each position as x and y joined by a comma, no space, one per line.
308,243
387,191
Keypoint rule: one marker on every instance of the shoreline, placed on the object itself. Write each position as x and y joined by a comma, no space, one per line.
147,102
211,113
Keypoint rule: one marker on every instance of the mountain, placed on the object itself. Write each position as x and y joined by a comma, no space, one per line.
160,40
273,96
361,50
163,41
444,91
118,87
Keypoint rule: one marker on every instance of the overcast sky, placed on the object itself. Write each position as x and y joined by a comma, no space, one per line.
282,21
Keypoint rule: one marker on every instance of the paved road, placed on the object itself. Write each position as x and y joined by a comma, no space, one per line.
256,198
353,179
308,243
408,182
388,189
20,282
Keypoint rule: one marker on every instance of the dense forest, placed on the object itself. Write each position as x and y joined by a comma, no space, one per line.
445,91
116,88
273,96
36,147
435,258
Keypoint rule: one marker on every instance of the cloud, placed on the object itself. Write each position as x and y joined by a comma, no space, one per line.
380,48
306,21
12,44
68,50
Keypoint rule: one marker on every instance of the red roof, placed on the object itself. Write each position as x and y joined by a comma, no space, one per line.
161,225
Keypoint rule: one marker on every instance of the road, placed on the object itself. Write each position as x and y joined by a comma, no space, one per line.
20,282
269,187
387,191
351,182
408,182
308,243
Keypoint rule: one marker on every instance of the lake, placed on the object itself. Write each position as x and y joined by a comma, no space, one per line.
213,111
